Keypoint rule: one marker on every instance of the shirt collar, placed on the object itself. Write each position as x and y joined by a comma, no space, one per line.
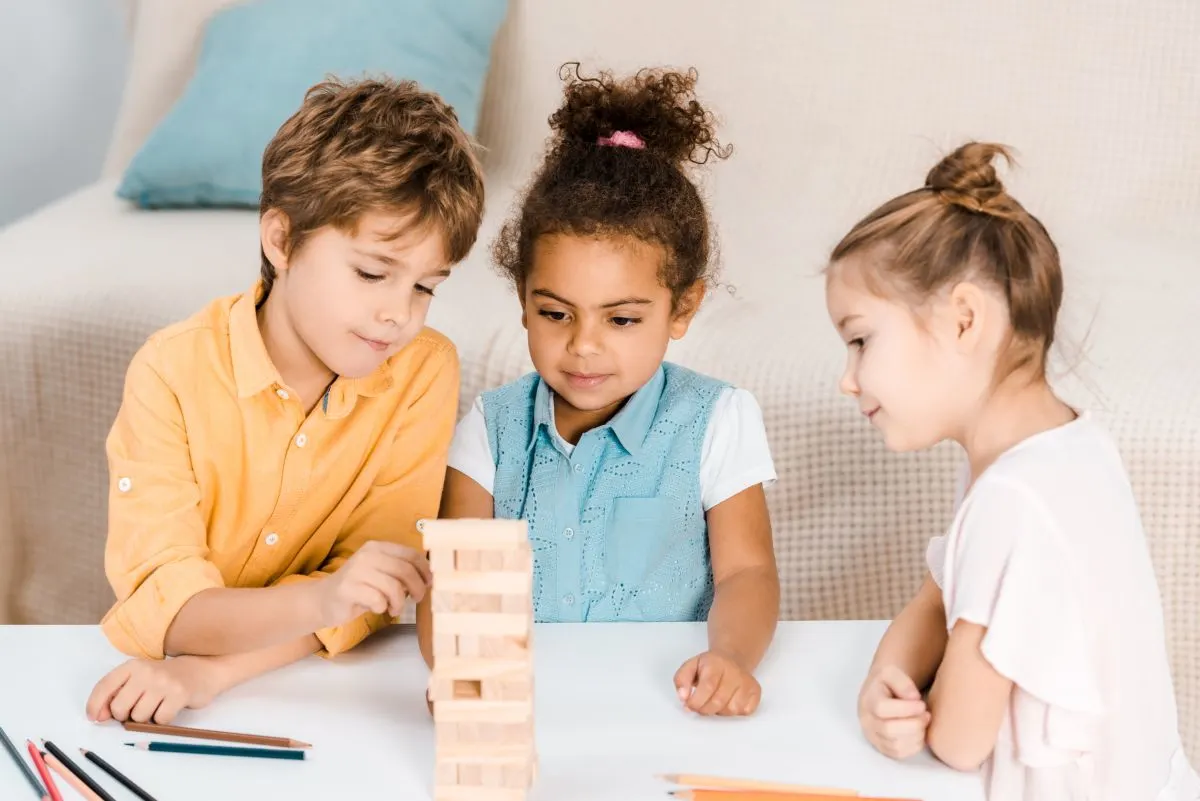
630,425
253,370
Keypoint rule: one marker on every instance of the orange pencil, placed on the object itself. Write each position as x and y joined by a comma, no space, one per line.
748,785
71,779
758,795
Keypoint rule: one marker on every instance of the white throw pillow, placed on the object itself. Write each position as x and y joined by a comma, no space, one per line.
166,36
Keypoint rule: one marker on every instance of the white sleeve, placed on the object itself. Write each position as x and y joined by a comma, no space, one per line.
470,453
735,455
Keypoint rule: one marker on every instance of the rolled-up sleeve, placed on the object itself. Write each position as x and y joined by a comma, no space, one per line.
156,554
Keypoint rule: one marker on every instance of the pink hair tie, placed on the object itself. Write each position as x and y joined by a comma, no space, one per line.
622,139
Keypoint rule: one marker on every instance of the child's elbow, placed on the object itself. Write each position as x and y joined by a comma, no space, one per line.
959,750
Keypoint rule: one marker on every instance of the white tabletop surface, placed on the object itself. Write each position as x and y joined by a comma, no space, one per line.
608,721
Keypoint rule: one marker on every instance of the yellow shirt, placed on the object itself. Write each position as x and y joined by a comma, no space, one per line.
218,479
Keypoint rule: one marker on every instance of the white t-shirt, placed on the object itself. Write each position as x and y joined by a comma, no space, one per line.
734,457
1048,552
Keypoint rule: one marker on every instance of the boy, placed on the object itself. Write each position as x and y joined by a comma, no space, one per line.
273,453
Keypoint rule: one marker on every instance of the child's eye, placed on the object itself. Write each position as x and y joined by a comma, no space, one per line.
425,290
858,342
624,322
550,314
369,277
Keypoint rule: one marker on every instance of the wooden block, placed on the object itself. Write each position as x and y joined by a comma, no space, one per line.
517,560
464,793
444,645
442,601
500,582
492,776
441,562
464,668
475,602
495,624
470,775
504,647
485,754
469,646
507,688
459,711
467,559
518,775
467,533
515,603
445,772
491,560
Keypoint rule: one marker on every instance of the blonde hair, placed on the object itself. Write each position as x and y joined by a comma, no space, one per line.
963,225
371,145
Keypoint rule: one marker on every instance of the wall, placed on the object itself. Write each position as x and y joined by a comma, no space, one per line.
63,64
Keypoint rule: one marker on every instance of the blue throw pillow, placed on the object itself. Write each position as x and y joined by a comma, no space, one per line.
258,59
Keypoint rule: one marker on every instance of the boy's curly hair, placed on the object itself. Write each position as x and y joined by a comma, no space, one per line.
586,188
372,145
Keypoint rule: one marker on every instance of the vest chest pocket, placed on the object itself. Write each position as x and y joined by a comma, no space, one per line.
637,529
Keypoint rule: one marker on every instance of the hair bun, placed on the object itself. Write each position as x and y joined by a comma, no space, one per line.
967,178
656,106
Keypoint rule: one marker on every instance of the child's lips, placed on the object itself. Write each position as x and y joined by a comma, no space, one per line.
586,380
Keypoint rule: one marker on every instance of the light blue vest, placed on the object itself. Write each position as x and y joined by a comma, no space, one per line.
617,526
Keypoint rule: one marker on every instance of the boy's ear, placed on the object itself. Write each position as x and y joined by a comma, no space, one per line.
273,229
686,308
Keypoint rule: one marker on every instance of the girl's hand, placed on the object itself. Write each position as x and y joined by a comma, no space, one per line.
892,713
715,684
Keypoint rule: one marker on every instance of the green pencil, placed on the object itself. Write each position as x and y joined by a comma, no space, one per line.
217,750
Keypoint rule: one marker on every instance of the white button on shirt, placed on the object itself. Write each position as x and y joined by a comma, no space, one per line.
272,538
124,484
283,393
301,440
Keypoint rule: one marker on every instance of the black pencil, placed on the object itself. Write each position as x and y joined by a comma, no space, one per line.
78,771
29,775
116,774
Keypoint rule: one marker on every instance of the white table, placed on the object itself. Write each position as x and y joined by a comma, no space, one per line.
608,720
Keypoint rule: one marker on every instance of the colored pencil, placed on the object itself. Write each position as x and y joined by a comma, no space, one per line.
725,783
43,771
758,795
23,765
210,734
116,774
216,750
70,778
78,771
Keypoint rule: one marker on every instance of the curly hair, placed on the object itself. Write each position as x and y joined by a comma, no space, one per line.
372,145
586,187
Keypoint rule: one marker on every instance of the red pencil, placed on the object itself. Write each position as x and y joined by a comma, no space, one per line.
40,764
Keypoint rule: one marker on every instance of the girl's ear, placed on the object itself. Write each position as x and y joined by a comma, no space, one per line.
686,308
273,231
969,311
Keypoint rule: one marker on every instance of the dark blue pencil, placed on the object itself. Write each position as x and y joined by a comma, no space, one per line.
217,750
28,771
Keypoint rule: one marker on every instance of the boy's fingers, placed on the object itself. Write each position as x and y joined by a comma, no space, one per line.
143,711
903,728
102,694
890,708
171,706
125,699
722,696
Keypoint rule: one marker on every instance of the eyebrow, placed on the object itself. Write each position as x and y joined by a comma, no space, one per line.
630,301
842,322
390,262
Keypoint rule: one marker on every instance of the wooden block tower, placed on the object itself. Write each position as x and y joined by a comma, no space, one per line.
482,680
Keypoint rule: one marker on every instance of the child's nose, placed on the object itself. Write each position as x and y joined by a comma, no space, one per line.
585,340
849,385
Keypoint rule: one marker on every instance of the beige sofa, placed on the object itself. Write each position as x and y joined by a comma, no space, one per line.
830,108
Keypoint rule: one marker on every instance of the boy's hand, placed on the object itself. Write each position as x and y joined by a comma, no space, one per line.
377,578
714,684
892,713
150,690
